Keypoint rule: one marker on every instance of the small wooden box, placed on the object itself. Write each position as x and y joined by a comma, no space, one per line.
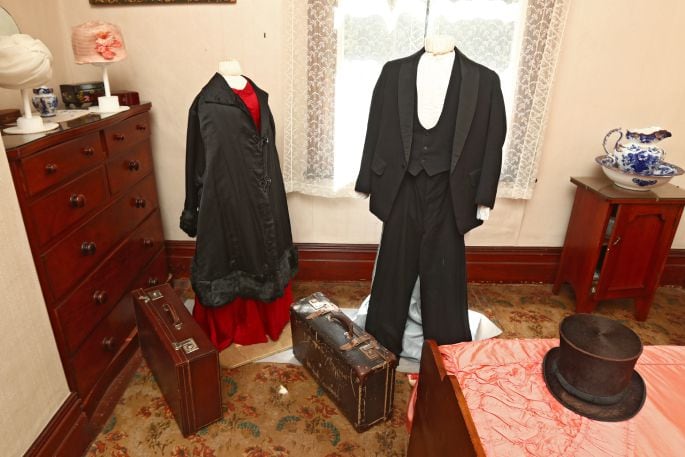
127,97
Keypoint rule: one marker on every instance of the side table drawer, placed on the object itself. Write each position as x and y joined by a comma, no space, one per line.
103,289
122,136
101,346
85,248
68,204
57,163
129,167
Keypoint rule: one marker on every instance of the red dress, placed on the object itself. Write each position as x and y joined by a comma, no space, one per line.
245,320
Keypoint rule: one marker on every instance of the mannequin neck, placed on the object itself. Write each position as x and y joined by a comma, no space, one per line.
232,73
230,68
439,44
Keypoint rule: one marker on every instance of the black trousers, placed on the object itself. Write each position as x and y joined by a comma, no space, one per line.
420,237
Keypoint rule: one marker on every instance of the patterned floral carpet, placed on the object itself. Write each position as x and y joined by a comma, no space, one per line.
259,421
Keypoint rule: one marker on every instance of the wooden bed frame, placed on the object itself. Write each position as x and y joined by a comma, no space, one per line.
442,424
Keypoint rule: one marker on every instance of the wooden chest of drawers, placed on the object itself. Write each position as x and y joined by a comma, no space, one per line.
89,201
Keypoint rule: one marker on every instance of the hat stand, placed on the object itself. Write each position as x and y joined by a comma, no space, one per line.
109,103
29,123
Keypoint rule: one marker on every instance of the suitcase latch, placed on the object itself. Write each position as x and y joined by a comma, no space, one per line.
319,300
370,350
188,345
151,296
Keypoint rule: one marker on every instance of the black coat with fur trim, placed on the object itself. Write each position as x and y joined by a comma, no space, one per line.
235,200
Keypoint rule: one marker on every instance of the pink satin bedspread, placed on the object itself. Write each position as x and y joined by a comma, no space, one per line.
515,415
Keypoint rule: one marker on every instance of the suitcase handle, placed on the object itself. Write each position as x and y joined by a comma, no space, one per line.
175,320
344,322
347,324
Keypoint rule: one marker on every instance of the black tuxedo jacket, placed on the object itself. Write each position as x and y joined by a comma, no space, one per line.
476,149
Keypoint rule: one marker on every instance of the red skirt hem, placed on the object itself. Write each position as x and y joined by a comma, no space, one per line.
244,321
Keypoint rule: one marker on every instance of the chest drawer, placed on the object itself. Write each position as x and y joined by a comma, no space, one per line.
93,299
98,350
82,250
122,136
68,204
57,163
157,273
129,167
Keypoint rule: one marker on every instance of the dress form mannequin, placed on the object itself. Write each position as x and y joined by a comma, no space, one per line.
231,71
432,79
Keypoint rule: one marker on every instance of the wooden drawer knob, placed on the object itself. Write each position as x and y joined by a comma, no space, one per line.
141,127
88,248
109,344
152,282
51,168
140,202
119,137
133,165
100,297
148,243
88,151
77,200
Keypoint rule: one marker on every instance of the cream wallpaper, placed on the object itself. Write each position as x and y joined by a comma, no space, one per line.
31,376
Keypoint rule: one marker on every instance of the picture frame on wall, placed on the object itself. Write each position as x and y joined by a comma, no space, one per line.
154,2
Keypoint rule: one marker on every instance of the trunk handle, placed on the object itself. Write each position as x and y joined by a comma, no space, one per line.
354,341
344,321
175,320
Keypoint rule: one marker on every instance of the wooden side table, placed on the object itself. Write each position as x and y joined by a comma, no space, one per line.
617,242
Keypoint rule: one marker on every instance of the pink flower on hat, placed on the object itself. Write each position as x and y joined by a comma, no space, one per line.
104,43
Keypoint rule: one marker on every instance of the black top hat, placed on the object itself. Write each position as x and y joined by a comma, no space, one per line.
592,371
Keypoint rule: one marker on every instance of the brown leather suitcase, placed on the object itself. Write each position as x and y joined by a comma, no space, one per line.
353,368
183,361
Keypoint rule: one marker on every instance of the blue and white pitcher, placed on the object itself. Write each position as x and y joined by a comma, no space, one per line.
637,154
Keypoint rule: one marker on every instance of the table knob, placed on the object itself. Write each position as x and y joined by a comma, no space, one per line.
109,343
100,297
88,151
140,202
77,200
147,242
133,165
119,137
152,282
51,168
141,127
88,248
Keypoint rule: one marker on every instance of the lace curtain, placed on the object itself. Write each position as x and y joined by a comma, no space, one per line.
335,50
541,41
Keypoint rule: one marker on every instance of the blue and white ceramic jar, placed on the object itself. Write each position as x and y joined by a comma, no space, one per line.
638,153
45,101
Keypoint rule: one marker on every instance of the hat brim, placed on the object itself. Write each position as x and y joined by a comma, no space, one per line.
628,407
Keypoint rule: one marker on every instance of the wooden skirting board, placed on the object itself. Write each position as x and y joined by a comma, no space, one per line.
354,262
67,433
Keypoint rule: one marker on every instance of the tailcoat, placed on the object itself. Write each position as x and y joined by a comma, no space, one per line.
235,200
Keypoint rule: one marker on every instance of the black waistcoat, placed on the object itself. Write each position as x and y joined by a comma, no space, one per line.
432,148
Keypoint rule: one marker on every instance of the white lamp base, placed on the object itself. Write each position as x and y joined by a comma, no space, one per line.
108,104
31,125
